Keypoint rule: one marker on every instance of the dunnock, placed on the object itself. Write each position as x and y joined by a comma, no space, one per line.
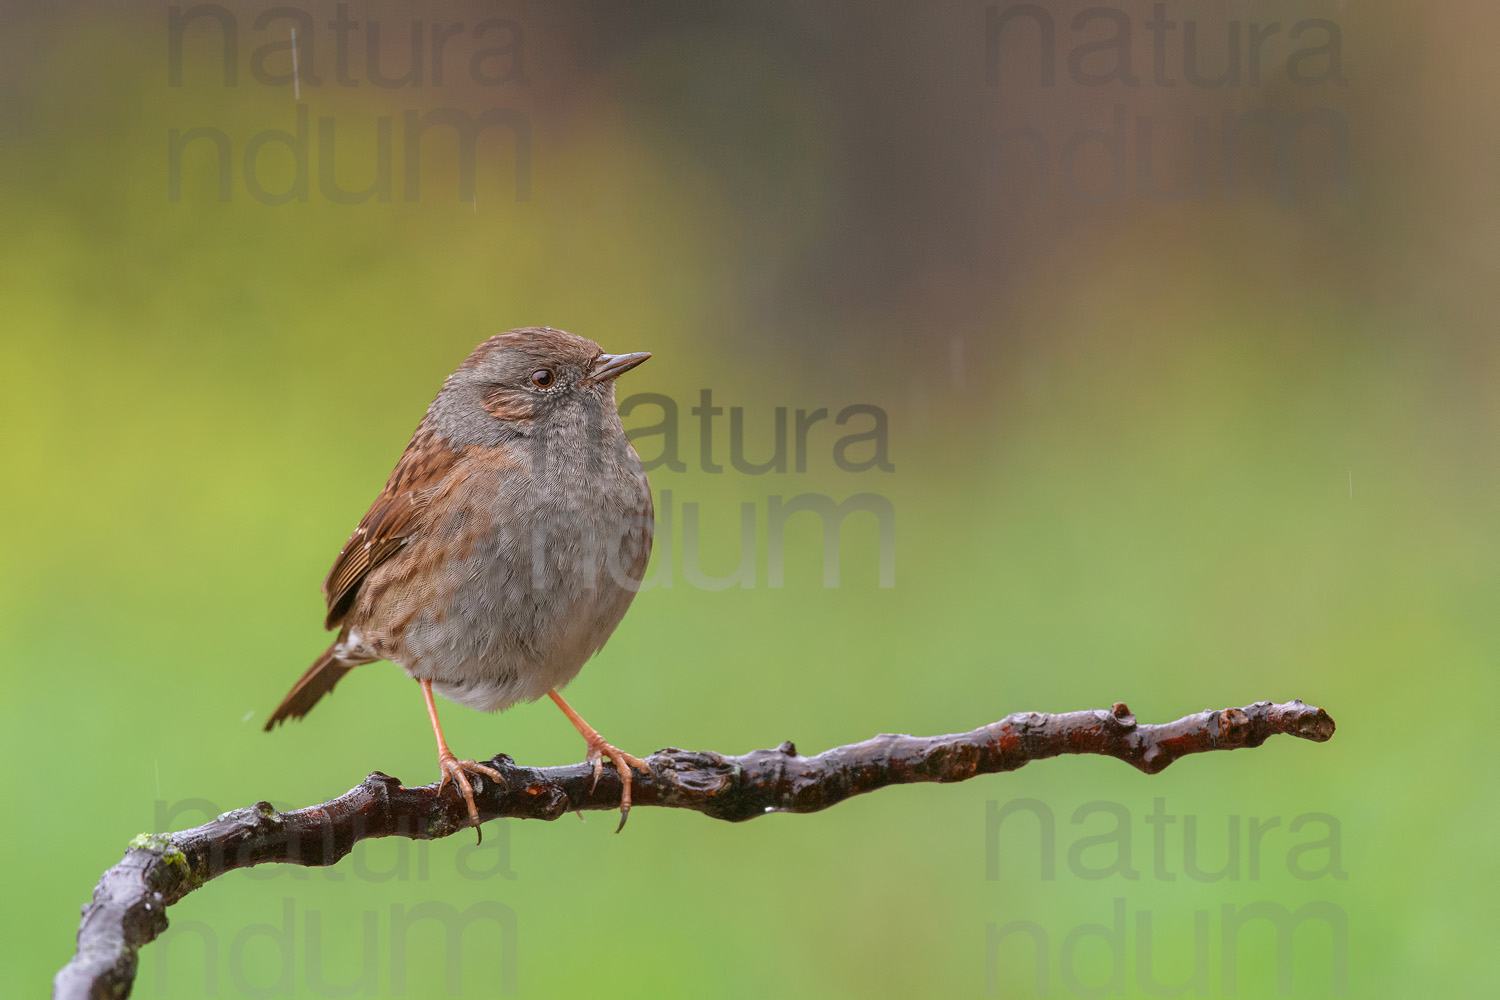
505,547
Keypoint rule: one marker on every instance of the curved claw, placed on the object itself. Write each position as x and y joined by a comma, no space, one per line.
624,762
595,757
452,768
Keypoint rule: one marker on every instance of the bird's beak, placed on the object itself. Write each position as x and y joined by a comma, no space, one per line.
609,366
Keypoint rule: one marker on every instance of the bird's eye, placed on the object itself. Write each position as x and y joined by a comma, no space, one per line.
541,378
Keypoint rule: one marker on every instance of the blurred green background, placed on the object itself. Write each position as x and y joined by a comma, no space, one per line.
1237,447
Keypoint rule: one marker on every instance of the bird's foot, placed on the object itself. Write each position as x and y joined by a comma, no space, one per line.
598,751
453,769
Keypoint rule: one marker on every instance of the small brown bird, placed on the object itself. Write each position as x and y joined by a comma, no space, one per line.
504,549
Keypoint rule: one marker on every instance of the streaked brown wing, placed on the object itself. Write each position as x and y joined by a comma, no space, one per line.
391,520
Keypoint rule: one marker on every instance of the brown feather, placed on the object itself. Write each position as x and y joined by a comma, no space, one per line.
390,521
326,671
505,403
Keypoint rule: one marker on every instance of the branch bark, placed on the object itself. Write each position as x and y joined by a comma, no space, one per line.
130,902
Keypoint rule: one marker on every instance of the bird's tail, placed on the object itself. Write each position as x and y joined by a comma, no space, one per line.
326,671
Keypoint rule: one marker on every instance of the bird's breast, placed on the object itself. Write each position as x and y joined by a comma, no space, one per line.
527,574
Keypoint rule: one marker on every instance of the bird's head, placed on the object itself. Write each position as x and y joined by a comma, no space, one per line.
525,379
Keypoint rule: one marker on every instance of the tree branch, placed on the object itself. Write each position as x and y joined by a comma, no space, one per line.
130,902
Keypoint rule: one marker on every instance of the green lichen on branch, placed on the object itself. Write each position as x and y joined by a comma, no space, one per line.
161,845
